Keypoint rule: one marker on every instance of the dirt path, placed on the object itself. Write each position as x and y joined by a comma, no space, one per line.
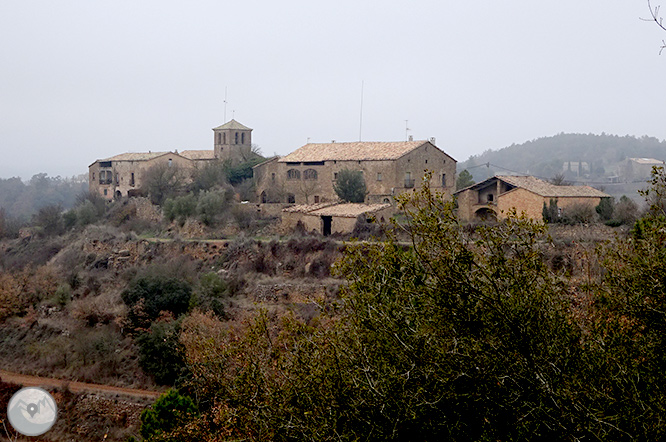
76,387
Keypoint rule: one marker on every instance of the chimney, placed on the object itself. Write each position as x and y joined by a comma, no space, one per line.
411,138
432,141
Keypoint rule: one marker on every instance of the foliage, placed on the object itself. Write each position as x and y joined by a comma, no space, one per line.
212,205
211,293
180,208
559,180
350,186
236,173
163,181
464,179
168,411
551,213
160,352
625,211
50,220
605,208
210,175
578,214
157,293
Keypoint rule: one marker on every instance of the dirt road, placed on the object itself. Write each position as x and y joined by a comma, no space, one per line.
76,387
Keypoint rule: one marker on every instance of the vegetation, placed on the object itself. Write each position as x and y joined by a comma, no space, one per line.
350,186
464,179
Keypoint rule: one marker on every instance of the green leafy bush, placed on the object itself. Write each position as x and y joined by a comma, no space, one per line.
158,293
350,186
160,352
168,411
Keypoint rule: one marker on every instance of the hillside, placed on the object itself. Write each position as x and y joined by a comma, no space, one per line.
545,157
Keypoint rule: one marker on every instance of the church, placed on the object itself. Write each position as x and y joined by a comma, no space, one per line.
121,175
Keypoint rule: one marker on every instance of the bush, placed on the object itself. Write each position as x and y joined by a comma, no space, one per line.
605,208
180,208
579,214
211,293
168,411
50,220
212,205
158,293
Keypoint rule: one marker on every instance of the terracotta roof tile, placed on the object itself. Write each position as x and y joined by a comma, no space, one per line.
547,189
233,124
343,210
198,154
354,151
135,156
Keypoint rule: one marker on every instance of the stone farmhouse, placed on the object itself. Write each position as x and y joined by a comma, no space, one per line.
494,197
328,218
121,175
308,175
638,169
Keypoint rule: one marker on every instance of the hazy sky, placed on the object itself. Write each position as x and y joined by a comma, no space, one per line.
82,80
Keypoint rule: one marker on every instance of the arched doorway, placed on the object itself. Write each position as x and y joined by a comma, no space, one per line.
485,214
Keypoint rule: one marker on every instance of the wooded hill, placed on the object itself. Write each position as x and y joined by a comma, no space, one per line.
545,157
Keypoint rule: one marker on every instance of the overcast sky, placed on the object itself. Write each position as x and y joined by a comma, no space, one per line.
82,80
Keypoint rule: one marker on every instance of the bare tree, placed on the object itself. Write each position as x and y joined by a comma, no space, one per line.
658,19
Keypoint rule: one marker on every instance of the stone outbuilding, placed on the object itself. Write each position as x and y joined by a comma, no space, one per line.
494,197
328,218
308,175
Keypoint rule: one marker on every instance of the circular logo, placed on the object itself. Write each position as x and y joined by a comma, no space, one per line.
32,411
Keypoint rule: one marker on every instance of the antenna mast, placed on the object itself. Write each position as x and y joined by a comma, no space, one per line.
407,129
360,125
225,104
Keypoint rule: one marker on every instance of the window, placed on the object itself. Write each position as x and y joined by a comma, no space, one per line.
291,198
316,198
106,191
293,174
490,197
426,161
310,174
93,176
224,138
170,162
236,138
443,180
335,176
243,138
273,176
313,163
409,181
379,176
132,179
386,201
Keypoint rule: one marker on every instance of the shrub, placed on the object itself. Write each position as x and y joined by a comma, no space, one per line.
50,220
180,208
211,293
212,204
605,208
579,214
168,411
158,293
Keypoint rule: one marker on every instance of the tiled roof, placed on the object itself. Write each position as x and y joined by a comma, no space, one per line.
354,151
198,154
547,189
136,156
233,124
306,208
646,161
343,210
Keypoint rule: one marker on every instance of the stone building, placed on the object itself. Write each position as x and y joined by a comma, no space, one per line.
121,175
638,169
308,175
494,197
328,218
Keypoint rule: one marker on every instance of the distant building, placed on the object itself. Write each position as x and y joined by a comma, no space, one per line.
122,175
308,175
331,218
636,169
494,197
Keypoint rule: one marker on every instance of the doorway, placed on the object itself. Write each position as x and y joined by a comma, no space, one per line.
326,225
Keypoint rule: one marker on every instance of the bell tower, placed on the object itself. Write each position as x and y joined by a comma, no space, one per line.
232,141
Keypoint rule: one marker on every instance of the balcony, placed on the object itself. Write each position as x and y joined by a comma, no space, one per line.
409,183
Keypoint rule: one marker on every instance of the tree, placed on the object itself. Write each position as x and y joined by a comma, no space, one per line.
158,293
163,181
658,19
350,186
559,180
465,179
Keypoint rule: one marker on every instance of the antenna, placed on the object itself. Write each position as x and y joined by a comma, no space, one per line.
225,104
407,129
360,124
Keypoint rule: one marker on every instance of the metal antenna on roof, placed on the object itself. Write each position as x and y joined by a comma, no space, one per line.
407,129
360,125
225,104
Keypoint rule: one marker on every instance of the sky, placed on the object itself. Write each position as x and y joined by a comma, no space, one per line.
82,80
